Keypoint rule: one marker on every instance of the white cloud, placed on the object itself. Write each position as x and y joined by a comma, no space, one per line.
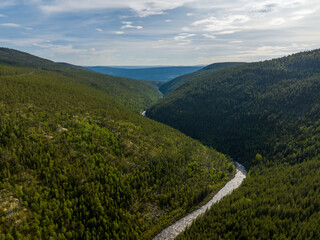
143,8
226,32
183,36
254,53
232,22
7,3
2,15
129,25
228,17
185,42
32,1
22,42
14,25
236,41
65,49
185,29
268,51
300,14
208,36
278,21
261,6
263,26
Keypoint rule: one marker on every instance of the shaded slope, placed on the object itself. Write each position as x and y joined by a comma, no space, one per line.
172,85
241,110
152,73
267,114
154,83
76,164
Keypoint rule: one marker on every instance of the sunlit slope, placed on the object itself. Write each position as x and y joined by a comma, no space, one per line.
132,93
75,163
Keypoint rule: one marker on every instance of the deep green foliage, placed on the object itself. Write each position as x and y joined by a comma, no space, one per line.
154,83
247,109
175,83
267,114
77,164
281,202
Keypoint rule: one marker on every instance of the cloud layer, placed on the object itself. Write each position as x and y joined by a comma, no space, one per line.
160,32
143,8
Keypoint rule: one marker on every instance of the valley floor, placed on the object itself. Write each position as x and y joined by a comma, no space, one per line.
175,229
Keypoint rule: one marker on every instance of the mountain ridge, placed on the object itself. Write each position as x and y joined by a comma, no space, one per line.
175,83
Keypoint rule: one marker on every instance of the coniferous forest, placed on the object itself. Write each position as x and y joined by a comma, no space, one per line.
78,161
159,120
267,115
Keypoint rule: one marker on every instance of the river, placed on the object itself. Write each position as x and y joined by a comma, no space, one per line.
175,229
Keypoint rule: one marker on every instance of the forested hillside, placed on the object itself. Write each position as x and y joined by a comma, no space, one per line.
172,85
77,164
132,93
267,114
244,110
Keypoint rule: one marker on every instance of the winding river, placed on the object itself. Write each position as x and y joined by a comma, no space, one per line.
175,229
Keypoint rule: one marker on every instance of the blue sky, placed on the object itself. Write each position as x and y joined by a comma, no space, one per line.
159,32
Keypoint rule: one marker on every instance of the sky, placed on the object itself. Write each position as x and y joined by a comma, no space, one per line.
159,32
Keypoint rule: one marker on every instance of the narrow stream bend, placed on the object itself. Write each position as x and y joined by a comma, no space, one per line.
175,229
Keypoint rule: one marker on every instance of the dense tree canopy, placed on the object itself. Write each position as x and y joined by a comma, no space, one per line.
268,115
75,163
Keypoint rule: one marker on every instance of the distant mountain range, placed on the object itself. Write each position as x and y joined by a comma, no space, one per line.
163,73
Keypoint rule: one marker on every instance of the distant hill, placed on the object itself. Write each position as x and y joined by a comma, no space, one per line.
149,73
172,85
